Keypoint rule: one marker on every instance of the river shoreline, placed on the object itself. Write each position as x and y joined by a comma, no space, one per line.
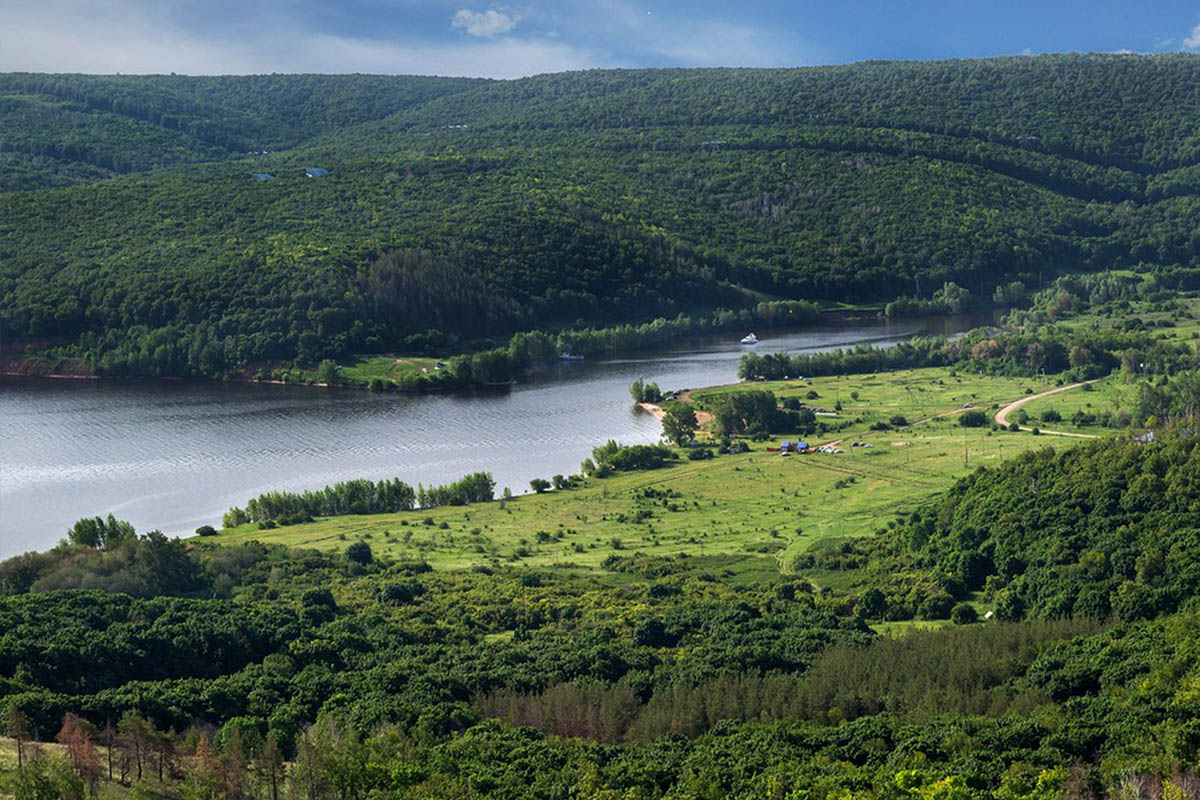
175,455
34,366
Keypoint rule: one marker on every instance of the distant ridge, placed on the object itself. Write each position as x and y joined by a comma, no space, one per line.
134,231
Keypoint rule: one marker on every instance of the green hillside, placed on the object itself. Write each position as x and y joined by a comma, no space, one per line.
479,208
60,129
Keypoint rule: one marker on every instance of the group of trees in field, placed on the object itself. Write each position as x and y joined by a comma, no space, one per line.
613,456
360,496
349,497
1081,354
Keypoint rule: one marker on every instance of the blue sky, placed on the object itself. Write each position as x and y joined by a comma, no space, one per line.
465,37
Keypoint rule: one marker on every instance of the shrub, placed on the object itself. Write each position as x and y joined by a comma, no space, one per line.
206,530
400,592
973,419
898,420
318,598
936,606
539,485
360,553
964,614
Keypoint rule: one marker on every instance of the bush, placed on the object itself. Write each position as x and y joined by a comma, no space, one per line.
898,420
539,485
360,553
1050,415
699,454
973,419
400,592
964,614
206,530
318,598
936,606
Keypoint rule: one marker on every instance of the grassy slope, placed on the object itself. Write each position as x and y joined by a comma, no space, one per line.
752,510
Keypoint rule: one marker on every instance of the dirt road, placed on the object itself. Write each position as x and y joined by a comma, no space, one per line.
1002,414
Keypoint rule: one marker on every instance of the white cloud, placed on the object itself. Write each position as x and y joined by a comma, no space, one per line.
1192,42
131,38
482,23
145,36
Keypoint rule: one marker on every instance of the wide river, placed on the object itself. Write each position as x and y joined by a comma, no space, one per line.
174,456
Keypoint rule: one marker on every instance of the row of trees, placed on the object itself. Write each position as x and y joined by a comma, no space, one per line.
1049,349
358,496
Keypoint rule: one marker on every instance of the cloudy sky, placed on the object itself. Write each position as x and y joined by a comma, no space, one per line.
463,37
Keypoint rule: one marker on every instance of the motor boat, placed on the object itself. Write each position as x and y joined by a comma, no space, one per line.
750,339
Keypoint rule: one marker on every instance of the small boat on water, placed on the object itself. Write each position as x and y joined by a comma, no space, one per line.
750,339
571,357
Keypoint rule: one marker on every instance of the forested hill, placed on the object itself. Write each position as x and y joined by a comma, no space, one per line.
59,129
478,208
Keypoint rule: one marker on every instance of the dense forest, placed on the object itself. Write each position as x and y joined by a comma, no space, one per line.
456,213
239,669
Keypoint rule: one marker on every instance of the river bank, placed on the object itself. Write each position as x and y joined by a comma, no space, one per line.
177,454
485,369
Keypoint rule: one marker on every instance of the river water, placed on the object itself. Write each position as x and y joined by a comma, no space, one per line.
174,456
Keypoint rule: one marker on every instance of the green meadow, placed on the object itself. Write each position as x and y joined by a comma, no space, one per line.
750,512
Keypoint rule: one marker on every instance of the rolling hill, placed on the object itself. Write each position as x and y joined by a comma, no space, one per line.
134,235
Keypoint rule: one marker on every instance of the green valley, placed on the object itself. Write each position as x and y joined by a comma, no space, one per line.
919,566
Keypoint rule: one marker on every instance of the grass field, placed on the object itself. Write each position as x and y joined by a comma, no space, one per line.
1112,394
365,368
754,510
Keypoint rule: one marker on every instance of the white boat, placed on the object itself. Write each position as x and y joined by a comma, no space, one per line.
570,357
750,339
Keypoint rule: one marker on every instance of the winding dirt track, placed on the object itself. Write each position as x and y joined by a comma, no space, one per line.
1002,414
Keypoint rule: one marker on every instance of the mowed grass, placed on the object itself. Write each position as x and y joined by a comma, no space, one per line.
365,368
747,512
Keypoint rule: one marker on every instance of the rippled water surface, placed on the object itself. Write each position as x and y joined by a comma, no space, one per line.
175,456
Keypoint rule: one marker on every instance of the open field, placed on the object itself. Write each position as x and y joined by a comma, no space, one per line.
1111,394
755,510
386,367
